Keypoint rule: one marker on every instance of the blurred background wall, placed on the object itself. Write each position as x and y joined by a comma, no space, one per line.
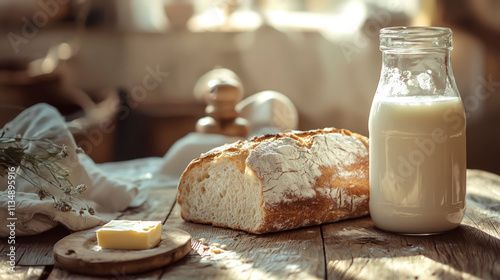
123,71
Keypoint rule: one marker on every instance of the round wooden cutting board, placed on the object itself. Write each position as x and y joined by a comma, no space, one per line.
79,252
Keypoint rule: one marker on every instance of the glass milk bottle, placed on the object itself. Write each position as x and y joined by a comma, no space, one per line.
417,135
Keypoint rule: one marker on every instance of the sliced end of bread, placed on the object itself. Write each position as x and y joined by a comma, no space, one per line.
212,194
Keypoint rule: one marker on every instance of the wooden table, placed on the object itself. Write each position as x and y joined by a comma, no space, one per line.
352,249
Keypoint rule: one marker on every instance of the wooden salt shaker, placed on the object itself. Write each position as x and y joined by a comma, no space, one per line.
223,118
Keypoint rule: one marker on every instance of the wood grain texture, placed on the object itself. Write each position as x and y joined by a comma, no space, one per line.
483,202
157,207
352,249
21,272
356,249
60,273
80,253
40,251
295,254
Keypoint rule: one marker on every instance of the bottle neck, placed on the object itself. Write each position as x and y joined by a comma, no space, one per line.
416,73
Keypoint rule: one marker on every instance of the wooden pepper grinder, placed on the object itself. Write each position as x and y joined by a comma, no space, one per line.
221,98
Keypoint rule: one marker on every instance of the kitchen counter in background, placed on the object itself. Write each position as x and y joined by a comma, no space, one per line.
331,80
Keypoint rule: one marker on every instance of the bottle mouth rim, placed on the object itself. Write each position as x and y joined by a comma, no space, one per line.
415,38
415,31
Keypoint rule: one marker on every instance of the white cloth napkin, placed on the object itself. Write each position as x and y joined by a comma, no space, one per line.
182,152
107,195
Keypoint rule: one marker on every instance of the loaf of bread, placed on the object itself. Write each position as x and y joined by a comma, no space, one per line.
278,182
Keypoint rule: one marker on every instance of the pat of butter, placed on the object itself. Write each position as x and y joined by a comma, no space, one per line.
133,235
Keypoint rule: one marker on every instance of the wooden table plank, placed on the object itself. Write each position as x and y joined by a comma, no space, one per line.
40,247
59,273
296,254
352,249
5,249
37,249
483,202
157,207
356,249
21,272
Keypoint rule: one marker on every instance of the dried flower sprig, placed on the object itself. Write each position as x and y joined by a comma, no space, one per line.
43,170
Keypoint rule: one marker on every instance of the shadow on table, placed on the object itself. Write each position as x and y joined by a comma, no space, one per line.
357,250
293,254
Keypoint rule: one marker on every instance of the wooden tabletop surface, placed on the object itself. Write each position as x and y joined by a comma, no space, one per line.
352,249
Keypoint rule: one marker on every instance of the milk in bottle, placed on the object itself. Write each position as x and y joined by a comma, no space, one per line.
417,135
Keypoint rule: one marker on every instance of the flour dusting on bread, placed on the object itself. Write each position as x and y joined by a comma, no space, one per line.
289,171
278,182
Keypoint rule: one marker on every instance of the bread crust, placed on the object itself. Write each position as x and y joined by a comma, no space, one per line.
337,196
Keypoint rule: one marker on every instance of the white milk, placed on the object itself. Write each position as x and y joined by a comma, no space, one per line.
417,163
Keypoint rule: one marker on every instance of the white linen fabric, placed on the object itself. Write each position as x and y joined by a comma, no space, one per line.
107,195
